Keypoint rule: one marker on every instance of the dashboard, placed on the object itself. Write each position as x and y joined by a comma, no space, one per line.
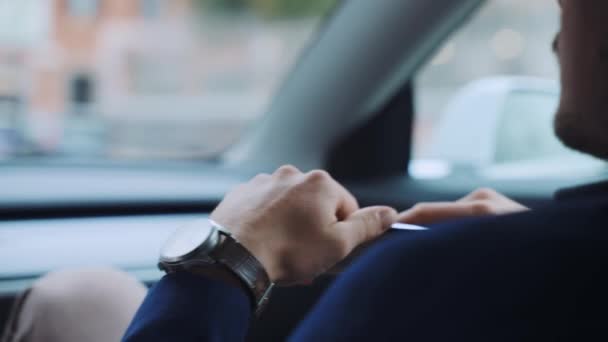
31,248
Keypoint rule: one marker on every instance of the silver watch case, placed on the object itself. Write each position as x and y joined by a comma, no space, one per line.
193,241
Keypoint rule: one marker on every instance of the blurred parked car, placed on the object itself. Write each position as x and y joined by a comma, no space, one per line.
501,128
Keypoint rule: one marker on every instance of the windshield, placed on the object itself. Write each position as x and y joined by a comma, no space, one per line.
142,79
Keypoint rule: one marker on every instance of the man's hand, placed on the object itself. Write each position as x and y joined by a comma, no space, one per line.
481,202
299,225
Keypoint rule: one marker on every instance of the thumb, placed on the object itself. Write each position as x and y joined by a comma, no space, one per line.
364,225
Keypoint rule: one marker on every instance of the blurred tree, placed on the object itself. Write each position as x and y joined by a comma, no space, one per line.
269,8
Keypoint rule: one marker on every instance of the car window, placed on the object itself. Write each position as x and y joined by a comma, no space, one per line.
485,102
524,130
142,79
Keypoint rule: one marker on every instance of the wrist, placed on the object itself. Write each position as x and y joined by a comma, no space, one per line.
263,255
205,248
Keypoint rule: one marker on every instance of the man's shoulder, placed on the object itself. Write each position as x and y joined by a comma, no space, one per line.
506,278
561,244
561,228
581,218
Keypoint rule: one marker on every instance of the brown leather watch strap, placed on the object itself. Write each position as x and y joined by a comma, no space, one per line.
246,267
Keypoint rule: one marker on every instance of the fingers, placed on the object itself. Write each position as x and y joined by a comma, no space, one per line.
346,204
286,171
428,213
362,226
481,194
499,203
343,202
339,199
480,202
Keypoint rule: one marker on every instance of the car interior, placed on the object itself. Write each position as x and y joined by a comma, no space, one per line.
348,104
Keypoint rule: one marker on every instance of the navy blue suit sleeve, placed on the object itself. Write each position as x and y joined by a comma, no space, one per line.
526,277
184,307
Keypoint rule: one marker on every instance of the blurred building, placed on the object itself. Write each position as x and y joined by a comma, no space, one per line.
63,59
92,76
136,78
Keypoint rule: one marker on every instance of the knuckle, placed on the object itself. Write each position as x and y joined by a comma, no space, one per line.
287,170
484,193
481,208
317,176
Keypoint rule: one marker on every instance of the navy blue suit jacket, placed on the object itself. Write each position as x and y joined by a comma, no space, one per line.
537,276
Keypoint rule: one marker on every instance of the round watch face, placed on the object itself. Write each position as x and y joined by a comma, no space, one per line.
191,237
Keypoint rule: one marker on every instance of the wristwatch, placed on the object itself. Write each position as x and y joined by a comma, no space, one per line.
204,245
